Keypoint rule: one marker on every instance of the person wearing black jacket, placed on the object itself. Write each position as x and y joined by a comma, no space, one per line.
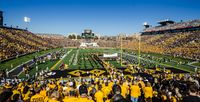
192,97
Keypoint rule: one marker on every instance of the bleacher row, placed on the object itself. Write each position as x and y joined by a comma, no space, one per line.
182,44
17,42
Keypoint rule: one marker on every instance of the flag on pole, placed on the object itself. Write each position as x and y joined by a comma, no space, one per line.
27,19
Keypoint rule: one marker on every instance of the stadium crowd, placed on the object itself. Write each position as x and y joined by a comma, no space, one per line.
60,40
14,43
114,87
182,44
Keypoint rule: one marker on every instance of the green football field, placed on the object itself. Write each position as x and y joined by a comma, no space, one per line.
90,59
75,59
20,60
82,58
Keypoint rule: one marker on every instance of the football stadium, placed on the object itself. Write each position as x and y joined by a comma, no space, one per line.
158,63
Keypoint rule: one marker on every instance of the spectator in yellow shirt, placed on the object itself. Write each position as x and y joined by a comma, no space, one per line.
135,92
106,90
148,92
26,93
124,89
99,95
71,98
54,97
43,91
37,97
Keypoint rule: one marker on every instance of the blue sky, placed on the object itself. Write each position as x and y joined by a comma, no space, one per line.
105,17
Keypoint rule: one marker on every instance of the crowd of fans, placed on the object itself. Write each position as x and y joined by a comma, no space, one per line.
114,87
17,42
60,40
182,44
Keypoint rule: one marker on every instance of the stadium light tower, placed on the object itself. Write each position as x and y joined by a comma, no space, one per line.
139,48
121,39
121,48
27,20
146,25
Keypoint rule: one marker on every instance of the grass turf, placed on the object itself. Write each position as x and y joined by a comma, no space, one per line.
86,61
196,64
20,60
41,66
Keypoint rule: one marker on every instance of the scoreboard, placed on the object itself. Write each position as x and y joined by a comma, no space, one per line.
88,31
87,34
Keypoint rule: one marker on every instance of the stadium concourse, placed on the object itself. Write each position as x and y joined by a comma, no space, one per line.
160,65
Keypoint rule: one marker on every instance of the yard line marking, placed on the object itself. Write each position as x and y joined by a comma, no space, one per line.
76,57
60,60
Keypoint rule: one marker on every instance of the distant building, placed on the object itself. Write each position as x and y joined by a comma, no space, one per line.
166,22
169,26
